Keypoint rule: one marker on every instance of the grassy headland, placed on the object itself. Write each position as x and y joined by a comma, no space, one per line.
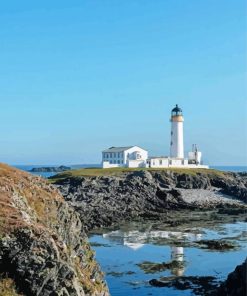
97,172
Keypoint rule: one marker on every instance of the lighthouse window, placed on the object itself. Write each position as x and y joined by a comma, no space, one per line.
171,143
171,133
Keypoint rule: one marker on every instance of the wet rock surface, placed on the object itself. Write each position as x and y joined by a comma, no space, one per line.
43,248
236,282
204,285
106,200
152,267
220,245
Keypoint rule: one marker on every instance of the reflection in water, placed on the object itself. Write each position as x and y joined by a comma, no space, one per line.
136,240
177,254
135,245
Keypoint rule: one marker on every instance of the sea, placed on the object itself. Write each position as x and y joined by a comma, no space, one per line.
126,252
28,168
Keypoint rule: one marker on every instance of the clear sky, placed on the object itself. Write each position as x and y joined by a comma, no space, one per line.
79,76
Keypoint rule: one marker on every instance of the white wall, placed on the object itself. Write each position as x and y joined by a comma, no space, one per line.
176,162
108,165
173,163
159,162
177,139
136,163
113,157
131,154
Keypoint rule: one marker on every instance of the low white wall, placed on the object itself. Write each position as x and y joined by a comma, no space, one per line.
136,163
173,163
108,165
190,166
159,162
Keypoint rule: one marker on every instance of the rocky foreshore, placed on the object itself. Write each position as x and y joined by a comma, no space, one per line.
43,247
43,243
109,199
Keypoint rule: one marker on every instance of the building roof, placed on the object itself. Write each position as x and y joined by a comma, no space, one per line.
117,149
158,157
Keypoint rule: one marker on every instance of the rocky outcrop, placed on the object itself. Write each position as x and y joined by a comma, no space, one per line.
105,200
61,168
43,248
236,282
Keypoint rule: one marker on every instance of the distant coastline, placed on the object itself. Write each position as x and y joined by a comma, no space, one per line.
28,168
50,169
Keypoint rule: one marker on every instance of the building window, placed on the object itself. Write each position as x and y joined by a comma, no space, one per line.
160,161
153,162
118,161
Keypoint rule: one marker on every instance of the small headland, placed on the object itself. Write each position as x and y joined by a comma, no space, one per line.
61,168
104,197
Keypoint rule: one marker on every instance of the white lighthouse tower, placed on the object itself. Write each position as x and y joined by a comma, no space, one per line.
177,133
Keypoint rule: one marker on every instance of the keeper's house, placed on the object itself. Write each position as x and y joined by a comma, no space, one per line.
130,156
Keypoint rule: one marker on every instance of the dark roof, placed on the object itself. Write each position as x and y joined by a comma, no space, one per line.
177,109
117,149
157,157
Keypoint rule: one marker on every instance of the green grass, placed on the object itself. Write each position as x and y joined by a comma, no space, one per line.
96,172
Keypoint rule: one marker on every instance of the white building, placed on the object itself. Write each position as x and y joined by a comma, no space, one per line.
130,156
134,156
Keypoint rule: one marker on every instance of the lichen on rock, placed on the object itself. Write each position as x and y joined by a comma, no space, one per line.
43,248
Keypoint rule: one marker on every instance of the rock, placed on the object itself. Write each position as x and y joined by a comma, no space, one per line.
236,282
216,244
200,285
153,267
109,199
61,168
43,248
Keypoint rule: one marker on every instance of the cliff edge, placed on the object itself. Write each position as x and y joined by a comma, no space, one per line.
43,249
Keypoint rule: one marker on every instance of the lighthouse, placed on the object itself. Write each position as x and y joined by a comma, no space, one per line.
177,134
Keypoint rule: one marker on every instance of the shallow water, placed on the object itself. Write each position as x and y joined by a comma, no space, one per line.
119,252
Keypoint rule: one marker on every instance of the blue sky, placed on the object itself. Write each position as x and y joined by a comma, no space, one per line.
79,76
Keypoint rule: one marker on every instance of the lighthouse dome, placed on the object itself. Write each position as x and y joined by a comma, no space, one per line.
176,111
